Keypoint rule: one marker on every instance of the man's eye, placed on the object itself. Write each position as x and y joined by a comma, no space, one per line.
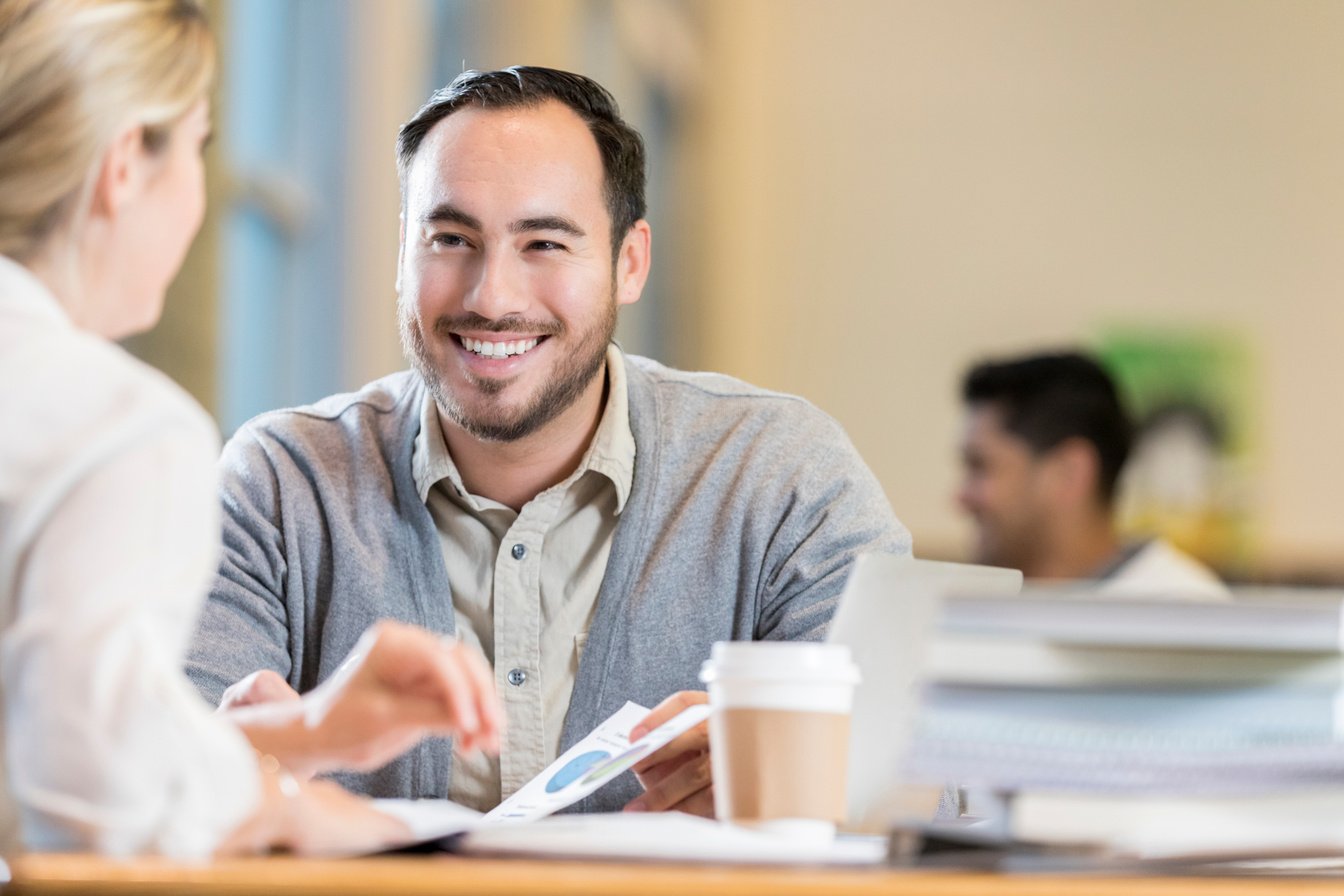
545,245
449,239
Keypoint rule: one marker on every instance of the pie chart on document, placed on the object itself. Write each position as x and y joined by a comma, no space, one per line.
574,769
619,764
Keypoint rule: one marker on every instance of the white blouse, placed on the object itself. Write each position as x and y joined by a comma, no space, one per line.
109,537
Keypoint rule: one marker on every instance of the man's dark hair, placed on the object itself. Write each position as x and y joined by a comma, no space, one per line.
1049,398
620,145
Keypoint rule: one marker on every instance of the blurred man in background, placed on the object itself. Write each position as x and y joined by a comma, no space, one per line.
1044,442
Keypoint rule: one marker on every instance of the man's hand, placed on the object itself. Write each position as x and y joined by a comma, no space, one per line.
398,685
676,777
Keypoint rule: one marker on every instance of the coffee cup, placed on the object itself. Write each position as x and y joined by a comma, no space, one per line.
779,734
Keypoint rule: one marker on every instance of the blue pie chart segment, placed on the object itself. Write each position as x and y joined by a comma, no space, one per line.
574,769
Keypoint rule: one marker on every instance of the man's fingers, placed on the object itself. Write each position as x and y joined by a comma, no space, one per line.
699,803
655,774
678,774
676,787
690,742
669,708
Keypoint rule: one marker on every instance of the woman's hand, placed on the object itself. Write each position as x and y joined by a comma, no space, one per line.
399,684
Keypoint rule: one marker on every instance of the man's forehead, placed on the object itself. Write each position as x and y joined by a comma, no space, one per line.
986,427
548,133
985,417
537,160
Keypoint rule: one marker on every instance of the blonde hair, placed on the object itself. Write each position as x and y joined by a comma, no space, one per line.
73,74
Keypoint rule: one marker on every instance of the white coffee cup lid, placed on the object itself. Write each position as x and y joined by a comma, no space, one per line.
779,661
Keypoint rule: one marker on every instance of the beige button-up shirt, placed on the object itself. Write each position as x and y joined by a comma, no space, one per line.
524,585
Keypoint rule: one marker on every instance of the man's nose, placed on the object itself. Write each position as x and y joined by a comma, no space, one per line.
966,498
498,290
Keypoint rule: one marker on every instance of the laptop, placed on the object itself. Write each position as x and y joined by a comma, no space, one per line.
886,616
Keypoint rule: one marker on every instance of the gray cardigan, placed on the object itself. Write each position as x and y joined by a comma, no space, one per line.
746,511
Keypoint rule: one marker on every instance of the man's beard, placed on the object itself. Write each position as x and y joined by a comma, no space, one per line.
571,376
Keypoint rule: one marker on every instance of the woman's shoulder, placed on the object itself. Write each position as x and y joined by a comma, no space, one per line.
71,398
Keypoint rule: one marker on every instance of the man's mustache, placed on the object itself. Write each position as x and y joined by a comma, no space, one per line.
446,326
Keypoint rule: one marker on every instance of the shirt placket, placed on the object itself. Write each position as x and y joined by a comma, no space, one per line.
517,615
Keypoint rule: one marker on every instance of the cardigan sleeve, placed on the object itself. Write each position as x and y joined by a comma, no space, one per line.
830,510
245,625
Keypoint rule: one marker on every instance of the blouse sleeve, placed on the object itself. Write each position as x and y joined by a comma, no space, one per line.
109,747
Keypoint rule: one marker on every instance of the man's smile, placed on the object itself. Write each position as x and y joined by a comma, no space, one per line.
498,349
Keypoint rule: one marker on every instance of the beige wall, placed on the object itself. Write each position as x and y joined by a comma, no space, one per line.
389,48
886,191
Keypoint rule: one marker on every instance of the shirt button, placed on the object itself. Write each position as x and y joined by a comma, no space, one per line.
519,551
517,677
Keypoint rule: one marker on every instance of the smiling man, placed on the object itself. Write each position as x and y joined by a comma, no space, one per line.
592,520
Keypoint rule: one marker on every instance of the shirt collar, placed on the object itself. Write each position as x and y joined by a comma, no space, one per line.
1111,568
430,460
613,450
611,453
21,291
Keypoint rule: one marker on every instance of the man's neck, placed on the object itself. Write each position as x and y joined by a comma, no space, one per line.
1076,551
514,473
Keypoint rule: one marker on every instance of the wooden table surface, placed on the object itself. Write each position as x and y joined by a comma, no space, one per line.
445,875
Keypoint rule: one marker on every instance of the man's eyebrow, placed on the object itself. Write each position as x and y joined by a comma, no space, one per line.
547,222
446,213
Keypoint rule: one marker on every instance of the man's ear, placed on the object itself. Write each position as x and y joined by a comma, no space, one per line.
122,174
632,263
1076,470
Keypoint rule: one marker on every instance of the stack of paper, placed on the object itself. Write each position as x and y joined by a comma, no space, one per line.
1153,727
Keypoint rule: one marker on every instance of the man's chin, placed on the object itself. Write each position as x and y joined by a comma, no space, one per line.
495,426
985,555
501,423
489,387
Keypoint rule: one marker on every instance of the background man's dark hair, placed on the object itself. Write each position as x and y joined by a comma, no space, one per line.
620,145
1046,399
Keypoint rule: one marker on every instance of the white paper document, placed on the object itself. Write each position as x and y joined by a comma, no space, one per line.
601,756
592,762
430,819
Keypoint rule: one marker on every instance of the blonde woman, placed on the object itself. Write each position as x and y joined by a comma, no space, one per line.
109,524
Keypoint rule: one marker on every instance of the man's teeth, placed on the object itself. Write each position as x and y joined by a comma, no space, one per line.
499,349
